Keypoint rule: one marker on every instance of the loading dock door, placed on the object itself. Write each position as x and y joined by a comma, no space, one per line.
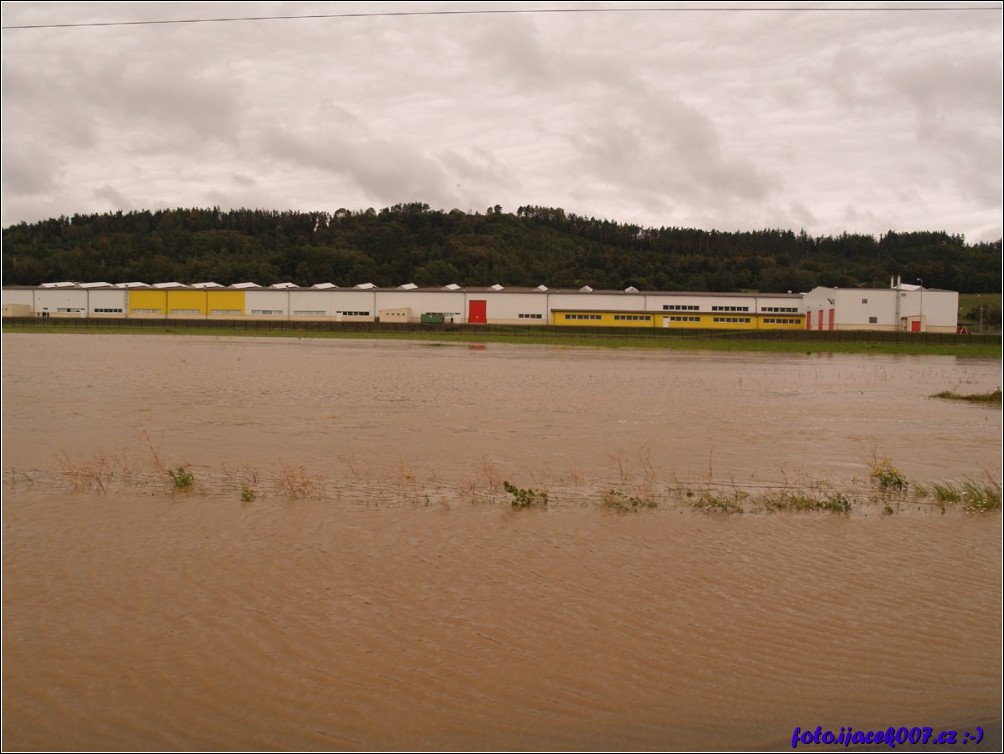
477,312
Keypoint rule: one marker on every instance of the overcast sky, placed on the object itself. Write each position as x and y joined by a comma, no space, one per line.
816,116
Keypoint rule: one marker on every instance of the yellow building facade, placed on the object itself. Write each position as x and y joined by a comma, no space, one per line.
672,321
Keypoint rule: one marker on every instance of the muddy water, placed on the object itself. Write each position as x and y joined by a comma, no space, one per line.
378,593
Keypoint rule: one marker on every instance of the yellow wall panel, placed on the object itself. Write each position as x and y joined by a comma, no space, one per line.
186,302
148,301
226,302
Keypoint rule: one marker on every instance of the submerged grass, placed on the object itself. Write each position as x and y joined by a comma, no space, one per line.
886,489
685,342
802,501
992,397
620,501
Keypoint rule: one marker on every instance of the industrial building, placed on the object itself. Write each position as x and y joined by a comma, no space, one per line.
901,307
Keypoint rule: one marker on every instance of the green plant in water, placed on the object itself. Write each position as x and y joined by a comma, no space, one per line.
981,498
619,501
792,500
946,492
525,498
181,478
711,502
887,477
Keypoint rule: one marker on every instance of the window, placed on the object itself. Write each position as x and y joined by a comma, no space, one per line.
732,319
680,308
631,318
347,314
864,301
186,311
531,316
873,320
267,311
225,312
583,316
781,321
310,312
684,319
147,311
780,309
730,308
69,309
107,311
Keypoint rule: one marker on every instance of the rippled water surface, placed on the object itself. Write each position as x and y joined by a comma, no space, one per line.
377,591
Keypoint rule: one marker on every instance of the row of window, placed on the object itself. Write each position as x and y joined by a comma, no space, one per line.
781,321
531,316
684,319
695,308
632,318
583,316
732,319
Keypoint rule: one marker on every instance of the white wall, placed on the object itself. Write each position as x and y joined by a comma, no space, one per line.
108,299
55,299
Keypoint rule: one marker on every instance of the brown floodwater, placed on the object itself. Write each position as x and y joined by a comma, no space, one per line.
375,590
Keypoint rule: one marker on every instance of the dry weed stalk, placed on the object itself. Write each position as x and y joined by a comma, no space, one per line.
94,474
145,437
294,482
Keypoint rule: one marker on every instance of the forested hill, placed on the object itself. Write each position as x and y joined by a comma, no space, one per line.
410,243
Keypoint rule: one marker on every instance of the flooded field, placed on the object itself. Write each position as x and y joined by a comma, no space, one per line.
345,570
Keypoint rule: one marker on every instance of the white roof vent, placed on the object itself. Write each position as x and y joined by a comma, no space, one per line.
585,289
284,285
168,285
452,287
324,286
206,285
366,286
408,287
59,285
132,285
95,285
631,289
242,286
497,287
541,288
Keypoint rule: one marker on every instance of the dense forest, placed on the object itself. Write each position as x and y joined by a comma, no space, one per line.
409,243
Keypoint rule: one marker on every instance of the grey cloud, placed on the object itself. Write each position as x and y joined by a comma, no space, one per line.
114,198
670,148
389,171
939,85
512,52
30,172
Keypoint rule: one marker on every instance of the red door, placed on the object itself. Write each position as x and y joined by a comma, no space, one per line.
477,312
915,325
832,316
819,317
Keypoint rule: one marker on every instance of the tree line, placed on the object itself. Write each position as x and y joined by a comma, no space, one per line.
410,243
